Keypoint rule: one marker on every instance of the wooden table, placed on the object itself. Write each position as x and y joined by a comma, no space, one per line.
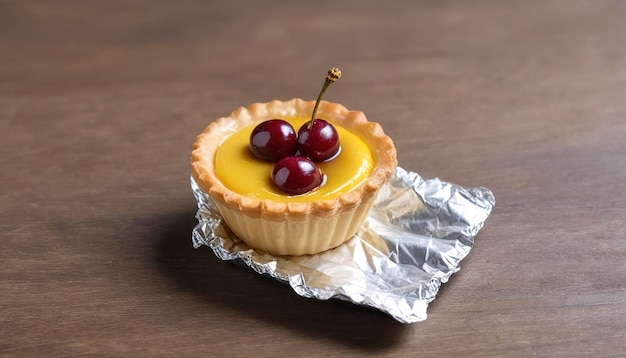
101,101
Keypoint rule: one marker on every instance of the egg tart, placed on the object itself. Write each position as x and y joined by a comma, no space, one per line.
282,224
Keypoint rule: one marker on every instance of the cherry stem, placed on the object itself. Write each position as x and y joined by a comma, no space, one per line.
333,75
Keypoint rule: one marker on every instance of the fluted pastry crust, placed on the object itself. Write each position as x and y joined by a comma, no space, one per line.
352,206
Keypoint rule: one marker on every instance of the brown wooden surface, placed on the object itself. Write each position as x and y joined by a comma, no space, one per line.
100,102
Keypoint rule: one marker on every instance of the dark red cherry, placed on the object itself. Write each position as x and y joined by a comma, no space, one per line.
273,140
320,142
296,175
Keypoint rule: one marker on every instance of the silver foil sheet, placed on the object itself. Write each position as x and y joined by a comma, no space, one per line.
413,240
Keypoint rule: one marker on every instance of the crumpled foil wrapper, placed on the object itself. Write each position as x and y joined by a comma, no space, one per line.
413,240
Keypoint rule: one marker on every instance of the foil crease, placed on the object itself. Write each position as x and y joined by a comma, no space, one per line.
413,240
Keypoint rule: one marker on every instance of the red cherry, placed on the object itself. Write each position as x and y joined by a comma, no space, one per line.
296,175
273,140
319,142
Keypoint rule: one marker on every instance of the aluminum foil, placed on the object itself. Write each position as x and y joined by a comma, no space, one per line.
413,240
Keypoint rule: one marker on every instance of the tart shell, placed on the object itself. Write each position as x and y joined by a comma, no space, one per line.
292,228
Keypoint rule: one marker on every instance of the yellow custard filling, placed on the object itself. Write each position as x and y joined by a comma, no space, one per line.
240,171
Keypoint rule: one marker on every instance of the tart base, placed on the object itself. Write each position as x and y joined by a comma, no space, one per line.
296,237
293,228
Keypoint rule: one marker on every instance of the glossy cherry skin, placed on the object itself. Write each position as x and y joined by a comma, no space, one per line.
318,143
273,140
296,175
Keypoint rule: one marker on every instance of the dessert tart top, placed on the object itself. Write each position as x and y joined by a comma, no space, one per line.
207,144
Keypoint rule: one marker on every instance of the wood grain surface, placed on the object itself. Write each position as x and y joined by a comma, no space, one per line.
100,102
